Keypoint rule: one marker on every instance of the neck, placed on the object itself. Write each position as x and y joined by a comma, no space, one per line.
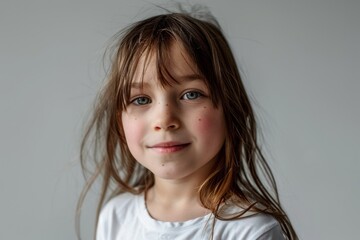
179,190
171,192
175,200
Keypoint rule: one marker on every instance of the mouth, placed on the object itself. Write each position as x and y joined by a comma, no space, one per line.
169,147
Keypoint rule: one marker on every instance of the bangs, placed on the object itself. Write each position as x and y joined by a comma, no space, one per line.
154,37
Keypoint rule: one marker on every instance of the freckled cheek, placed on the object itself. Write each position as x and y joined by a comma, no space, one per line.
209,123
203,124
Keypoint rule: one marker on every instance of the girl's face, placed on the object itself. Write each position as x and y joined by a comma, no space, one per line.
174,131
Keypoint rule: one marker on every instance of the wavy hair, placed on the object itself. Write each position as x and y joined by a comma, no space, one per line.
243,173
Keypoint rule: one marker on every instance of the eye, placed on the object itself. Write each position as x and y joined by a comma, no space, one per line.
141,101
192,95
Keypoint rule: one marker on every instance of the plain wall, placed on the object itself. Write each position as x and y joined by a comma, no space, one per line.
300,60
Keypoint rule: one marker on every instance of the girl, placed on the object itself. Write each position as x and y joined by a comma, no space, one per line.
175,140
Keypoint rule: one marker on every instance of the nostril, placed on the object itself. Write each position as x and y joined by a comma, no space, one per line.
166,127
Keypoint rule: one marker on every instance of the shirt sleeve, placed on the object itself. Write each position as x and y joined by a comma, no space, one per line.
274,233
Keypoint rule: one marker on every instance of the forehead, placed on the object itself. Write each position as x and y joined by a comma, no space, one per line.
167,65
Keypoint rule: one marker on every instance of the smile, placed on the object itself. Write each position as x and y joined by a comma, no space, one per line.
169,147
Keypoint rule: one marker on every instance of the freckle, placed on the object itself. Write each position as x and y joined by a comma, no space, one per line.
199,119
204,106
162,164
167,105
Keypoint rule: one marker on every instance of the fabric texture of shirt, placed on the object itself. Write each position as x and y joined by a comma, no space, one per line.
125,217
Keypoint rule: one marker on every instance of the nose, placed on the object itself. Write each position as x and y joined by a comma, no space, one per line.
166,117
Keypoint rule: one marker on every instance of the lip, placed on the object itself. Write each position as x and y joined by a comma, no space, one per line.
169,147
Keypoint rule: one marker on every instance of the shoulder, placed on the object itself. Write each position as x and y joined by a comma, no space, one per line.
257,226
119,203
114,213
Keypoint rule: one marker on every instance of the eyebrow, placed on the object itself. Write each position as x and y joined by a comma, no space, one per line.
139,84
189,77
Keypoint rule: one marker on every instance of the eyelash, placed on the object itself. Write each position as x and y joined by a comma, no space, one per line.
136,100
198,94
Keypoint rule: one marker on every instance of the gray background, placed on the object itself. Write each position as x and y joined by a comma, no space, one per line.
301,60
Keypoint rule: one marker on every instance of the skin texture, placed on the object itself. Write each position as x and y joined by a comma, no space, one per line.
175,132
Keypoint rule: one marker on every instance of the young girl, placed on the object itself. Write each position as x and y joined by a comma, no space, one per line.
175,140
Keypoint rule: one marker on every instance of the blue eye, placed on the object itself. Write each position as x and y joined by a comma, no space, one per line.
141,101
192,95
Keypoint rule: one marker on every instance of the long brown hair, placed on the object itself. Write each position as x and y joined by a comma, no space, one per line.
243,173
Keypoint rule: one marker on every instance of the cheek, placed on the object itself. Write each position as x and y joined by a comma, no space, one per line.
204,124
133,130
210,122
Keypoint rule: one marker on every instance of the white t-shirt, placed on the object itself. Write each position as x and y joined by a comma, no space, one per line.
125,217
